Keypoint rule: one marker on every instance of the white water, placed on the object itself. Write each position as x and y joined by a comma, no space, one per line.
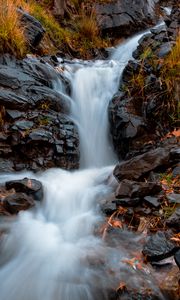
51,252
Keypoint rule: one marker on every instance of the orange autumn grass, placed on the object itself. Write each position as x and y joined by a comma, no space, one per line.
12,39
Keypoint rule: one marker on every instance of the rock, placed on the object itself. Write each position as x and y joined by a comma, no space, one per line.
127,201
176,171
17,202
174,219
122,18
108,207
6,165
173,198
33,29
152,201
133,189
175,154
177,258
159,247
170,284
31,187
36,132
165,49
140,165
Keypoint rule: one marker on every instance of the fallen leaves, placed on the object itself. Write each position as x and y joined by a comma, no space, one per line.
176,238
175,133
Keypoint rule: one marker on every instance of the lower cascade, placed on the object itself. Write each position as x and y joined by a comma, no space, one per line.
53,251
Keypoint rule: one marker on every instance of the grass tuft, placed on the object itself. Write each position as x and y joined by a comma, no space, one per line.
12,39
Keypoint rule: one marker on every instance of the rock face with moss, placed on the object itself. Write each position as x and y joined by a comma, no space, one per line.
35,132
146,106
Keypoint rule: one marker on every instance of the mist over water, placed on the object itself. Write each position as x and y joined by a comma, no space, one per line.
51,251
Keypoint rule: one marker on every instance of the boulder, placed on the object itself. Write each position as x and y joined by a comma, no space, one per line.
17,202
31,187
174,219
141,165
159,247
133,189
34,31
122,18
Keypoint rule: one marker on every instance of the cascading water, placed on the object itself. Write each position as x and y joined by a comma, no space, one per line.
51,252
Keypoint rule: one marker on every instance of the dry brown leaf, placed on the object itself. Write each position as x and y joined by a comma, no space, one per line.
116,223
121,287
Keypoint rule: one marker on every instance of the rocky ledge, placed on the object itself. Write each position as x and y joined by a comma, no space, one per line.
146,202
36,132
123,18
142,111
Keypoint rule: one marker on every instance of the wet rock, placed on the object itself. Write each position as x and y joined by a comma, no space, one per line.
159,247
33,29
177,258
133,189
174,219
31,187
108,207
152,201
140,165
17,202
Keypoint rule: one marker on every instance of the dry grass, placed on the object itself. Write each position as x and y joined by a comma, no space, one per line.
12,38
86,25
78,36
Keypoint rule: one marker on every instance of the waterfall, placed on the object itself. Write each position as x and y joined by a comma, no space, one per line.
51,251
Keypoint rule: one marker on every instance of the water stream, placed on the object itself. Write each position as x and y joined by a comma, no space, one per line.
51,252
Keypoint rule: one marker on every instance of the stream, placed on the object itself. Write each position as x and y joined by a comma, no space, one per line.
51,252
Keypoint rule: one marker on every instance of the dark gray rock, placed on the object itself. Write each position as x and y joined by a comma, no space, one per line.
6,165
125,201
165,49
33,29
177,258
17,202
159,247
176,171
37,132
108,207
174,219
133,189
122,18
31,187
152,201
140,165
173,198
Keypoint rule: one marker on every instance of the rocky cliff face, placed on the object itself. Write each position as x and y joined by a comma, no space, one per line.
122,18
36,132
140,113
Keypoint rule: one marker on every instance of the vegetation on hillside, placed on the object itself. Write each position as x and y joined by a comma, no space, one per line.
77,34
167,72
